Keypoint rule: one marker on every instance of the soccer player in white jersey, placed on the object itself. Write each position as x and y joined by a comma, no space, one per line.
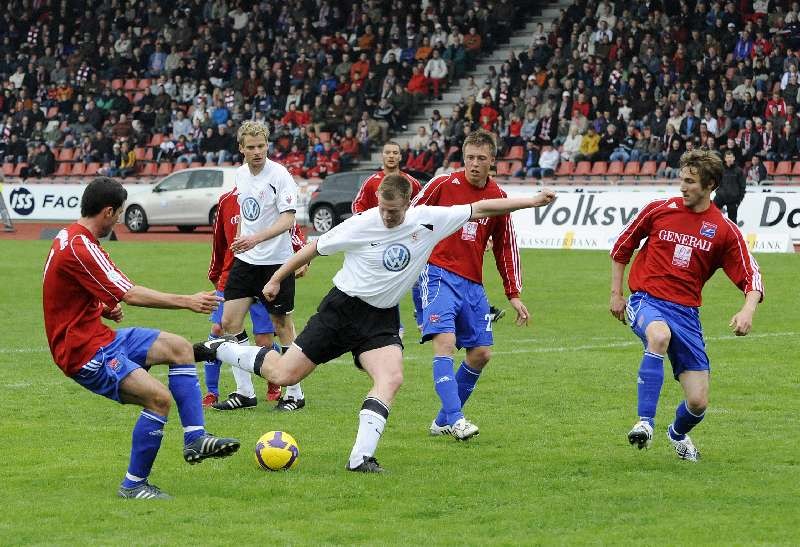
385,248
267,200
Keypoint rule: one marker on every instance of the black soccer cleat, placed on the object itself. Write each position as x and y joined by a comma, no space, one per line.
207,351
144,491
235,401
290,404
496,313
209,446
369,465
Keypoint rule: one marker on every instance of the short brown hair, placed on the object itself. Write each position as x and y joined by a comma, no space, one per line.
706,164
481,137
395,187
253,129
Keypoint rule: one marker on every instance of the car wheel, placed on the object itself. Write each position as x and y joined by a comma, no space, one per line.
136,219
323,218
186,229
212,216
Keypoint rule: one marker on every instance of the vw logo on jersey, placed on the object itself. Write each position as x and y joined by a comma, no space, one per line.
251,209
396,257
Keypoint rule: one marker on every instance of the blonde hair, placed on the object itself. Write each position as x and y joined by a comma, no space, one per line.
252,129
706,164
480,138
395,187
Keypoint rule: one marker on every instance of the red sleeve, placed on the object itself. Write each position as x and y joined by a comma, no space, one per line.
430,194
97,273
416,187
634,232
506,255
298,237
740,266
219,242
366,195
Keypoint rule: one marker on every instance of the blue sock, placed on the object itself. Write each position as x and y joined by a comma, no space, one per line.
466,377
684,421
651,378
186,391
446,388
212,373
416,297
146,440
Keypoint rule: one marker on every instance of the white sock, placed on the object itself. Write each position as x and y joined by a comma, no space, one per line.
295,392
242,357
371,421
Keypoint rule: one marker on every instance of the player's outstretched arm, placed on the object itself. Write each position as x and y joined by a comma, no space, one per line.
501,206
617,303
201,302
742,321
298,260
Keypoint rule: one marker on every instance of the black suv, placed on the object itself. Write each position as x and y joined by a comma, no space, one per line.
332,201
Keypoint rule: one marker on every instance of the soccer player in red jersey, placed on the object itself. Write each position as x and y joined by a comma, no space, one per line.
456,313
225,227
81,286
688,239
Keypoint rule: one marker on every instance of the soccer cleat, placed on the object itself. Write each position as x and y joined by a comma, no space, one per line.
289,404
235,401
369,465
144,491
685,449
437,430
463,429
496,313
209,399
273,392
207,350
641,435
209,446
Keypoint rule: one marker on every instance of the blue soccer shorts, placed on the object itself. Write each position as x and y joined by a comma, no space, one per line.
262,323
104,372
451,303
687,349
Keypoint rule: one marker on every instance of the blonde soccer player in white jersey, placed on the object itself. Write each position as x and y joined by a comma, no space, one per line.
385,248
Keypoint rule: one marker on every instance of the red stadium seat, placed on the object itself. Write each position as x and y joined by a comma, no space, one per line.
516,153
503,168
632,168
66,154
649,169
783,168
599,168
63,169
164,169
179,166
141,153
131,84
144,83
149,170
92,169
196,164
118,83
616,168
8,169
565,169
796,168
583,168
770,165
156,139
18,169
78,169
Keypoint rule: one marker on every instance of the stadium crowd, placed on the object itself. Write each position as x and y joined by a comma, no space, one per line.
125,86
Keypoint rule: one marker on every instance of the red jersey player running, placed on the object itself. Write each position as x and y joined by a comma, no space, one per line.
81,285
456,312
688,239
225,228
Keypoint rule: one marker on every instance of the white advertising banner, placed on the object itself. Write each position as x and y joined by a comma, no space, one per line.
591,220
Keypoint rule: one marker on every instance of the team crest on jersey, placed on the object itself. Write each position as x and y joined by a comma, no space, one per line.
113,364
396,257
708,230
469,231
251,209
415,236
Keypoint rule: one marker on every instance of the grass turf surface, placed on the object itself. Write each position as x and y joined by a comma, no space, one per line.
552,464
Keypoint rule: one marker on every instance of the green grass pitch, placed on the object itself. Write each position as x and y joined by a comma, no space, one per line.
552,463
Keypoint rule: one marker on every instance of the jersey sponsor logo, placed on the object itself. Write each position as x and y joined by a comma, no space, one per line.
251,209
396,257
684,239
22,201
469,231
708,230
682,256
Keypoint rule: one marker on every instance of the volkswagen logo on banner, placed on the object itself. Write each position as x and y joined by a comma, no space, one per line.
251,209
396,257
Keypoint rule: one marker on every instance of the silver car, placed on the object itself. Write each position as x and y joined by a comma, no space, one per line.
186,199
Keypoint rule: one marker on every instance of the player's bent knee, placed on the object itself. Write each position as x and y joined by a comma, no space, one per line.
697,403
658,337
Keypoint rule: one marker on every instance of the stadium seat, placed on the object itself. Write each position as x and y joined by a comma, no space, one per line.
599,168
615,168
131,84
196,164
66,154
179,166
503,168
149,170
164,169
141,153
63,169
796,168
117,83
583,168
156,139
783,168
770,165
143,84
565,169
92,169
648,169
8,169
18,169
516,153
138,96
78,169
632,168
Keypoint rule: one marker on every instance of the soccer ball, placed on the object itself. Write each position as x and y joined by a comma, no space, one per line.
276,450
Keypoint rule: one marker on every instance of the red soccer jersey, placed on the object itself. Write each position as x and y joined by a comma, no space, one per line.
462,253
682,252
225,227
367,197
79,278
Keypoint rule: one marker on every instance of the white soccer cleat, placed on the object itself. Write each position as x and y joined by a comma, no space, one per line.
463,429
438,430
641,435
685,449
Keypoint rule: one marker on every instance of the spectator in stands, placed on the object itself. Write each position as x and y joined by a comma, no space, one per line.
42,164
624,150
757,173
731,190
589,146
748,140
672,167
216,146
436,73
786,143
572,144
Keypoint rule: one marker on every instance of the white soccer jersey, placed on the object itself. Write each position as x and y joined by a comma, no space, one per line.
262,198
381,264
